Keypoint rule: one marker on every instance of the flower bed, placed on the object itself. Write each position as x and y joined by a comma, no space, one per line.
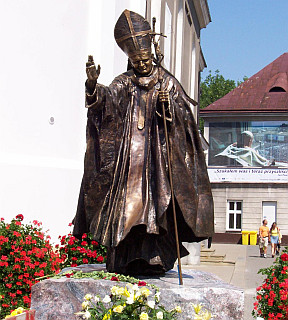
26,253
75,252
27,256
272,296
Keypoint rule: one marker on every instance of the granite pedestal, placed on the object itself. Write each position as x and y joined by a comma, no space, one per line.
59,299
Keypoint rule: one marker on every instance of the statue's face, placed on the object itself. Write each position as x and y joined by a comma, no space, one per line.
142,63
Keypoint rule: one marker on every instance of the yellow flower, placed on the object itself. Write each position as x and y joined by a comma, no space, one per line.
117,291
113,290
203,316
197,307
157,296
145,292
121,291
107,315
178,309
118,309
85,305
126,292
88,297
144,316
207,315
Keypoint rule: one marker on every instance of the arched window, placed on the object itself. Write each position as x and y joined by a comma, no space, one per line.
277,89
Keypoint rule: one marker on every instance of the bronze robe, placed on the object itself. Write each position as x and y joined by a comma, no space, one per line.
125,193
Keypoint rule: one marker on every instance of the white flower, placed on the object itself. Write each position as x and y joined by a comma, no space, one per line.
159,315
130,300
106,299
151,304
129,286
87,315
96,299
135,287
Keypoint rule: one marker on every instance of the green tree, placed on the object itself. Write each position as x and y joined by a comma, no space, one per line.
213,88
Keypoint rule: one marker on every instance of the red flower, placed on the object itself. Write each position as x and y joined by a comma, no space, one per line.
284,257
85,260
20,217
114,279
142,283
94,243
26,299
84,243
69,275
71,242
16,233
8,285
100,259
84,236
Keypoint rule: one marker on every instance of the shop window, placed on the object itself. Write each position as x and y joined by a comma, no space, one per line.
234,216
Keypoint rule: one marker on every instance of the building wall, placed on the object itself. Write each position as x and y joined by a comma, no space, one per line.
252,196
42,78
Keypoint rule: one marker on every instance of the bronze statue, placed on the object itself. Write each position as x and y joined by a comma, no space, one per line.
125,196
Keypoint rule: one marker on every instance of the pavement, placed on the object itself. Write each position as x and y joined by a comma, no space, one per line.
239,268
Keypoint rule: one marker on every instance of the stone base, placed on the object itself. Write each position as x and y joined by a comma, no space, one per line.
59,299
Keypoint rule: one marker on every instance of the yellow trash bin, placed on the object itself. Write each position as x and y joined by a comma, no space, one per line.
253,238
245,237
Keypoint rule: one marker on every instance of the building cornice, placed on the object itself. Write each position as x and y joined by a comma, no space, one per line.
203,13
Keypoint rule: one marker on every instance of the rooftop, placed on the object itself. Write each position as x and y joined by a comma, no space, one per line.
264,92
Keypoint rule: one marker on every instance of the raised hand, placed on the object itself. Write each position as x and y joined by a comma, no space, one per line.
92,72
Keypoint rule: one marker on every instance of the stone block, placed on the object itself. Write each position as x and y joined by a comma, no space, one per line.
59,299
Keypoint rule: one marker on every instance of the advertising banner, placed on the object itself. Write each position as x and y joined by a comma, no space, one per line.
248,144
239,175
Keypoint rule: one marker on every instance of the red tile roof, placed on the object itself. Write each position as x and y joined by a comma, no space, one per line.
254,94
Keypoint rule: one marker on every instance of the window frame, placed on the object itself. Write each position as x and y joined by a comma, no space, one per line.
235,212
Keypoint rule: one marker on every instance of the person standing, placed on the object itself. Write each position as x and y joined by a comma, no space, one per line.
274,235
264,235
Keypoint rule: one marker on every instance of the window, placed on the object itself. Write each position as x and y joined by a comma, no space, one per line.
234,215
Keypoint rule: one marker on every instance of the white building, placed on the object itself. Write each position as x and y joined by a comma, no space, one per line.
45,45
